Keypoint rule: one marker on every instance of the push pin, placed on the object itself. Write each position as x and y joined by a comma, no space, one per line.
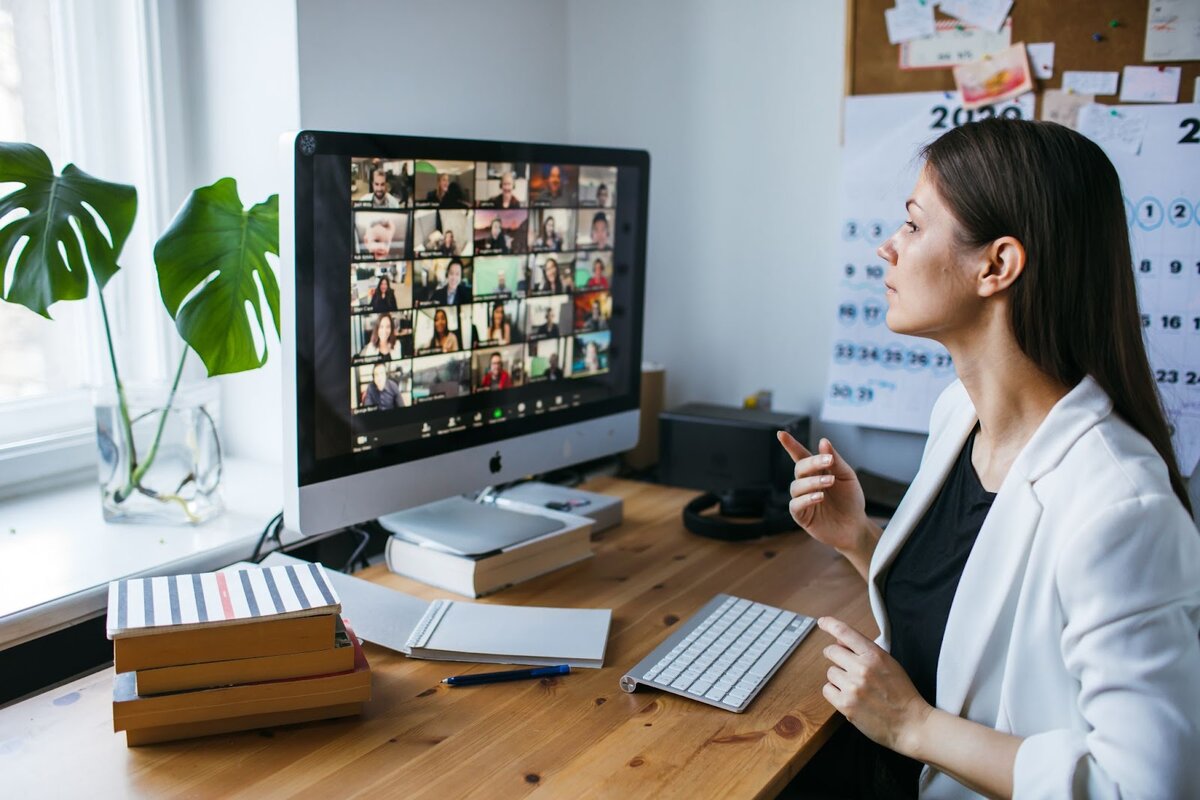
1097,37
1112,23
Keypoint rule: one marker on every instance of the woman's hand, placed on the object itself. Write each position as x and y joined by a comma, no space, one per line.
871,689
827,499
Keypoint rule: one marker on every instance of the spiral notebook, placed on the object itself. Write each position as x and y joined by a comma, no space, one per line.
455,631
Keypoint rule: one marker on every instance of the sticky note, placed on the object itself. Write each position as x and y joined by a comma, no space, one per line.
1041,59
906,22
1091,82
987,14
1063,107
1172,31
1151,84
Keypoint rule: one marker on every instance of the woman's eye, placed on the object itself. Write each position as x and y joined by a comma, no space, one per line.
910,224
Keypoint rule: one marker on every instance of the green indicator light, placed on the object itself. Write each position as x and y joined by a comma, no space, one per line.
497,413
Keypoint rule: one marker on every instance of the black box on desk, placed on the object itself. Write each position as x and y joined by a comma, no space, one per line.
712,447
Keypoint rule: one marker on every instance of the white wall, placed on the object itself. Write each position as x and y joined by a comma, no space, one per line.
739,105
232,88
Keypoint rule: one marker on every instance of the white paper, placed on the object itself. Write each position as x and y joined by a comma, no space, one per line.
1114,129
1151,84
878,378
954,43
1063,107
1090,82
1196,92
1172,30
908,22
987,14
1041,59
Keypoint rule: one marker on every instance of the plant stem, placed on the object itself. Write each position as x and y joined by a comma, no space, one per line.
162,422
122,403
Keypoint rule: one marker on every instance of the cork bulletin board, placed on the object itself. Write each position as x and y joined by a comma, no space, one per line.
872,63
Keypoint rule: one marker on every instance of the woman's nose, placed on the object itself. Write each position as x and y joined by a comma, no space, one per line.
887,251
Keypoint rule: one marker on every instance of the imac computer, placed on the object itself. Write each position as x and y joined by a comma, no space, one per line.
455,314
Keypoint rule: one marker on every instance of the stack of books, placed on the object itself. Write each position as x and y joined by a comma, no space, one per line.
227,651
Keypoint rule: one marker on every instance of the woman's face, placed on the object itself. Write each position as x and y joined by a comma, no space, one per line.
551,270
440,323
448,239
497,317
384,286
496,228
930,285
384,331
550,226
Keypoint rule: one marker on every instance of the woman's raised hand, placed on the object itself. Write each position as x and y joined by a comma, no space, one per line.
827,499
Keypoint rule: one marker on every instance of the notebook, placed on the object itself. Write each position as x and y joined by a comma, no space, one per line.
478,632
145,606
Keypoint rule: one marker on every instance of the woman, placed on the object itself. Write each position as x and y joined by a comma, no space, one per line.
598,279
443,339
384,342
548,239
551,283
497,240
499,331
383,299
449,246
591,358
1036,589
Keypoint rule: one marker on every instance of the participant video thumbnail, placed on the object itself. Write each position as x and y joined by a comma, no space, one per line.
595,231
598,268
548,317
503,185
497,276
442,330
553,184
442,232
380,183
380,235
593,310
498,368
552,229
598,187
548,359
501,232
381,337
442,281
381,286
498,323
380,386
441,376
591,353
445,184
552,274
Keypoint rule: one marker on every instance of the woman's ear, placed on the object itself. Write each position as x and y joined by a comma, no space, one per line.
1004,262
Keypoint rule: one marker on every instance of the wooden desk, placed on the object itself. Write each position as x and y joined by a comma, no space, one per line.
572,737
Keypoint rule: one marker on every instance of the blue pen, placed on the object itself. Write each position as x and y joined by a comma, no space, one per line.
512,675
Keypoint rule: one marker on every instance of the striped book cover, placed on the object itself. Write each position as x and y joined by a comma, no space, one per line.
141,606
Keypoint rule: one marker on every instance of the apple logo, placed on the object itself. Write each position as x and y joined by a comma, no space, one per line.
494,463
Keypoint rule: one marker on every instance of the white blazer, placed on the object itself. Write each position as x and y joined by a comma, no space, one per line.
1075,624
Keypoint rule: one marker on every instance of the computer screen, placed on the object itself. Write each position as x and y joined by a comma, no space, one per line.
451,294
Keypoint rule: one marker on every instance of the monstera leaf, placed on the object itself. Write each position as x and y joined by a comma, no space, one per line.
207,262
51,267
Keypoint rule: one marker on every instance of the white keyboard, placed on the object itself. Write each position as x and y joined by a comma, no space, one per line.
723,654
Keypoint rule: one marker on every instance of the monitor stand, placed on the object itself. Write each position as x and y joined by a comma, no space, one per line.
462,526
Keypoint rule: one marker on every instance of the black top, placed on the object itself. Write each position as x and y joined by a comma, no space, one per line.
921,582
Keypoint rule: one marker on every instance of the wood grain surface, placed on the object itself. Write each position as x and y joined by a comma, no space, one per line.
576,736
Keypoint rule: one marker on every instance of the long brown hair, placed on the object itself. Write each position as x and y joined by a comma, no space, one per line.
1074,308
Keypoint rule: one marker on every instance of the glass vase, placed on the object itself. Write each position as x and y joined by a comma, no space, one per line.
159,468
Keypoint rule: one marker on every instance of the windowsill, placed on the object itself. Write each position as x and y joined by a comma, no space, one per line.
57,554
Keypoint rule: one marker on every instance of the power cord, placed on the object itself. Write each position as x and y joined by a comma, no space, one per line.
272,531
357,555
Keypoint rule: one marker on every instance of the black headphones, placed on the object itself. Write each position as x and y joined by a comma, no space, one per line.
767,516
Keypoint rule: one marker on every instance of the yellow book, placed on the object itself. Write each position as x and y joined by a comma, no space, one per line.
184,677
135,737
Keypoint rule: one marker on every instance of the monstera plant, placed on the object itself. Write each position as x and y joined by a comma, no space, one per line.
68,231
